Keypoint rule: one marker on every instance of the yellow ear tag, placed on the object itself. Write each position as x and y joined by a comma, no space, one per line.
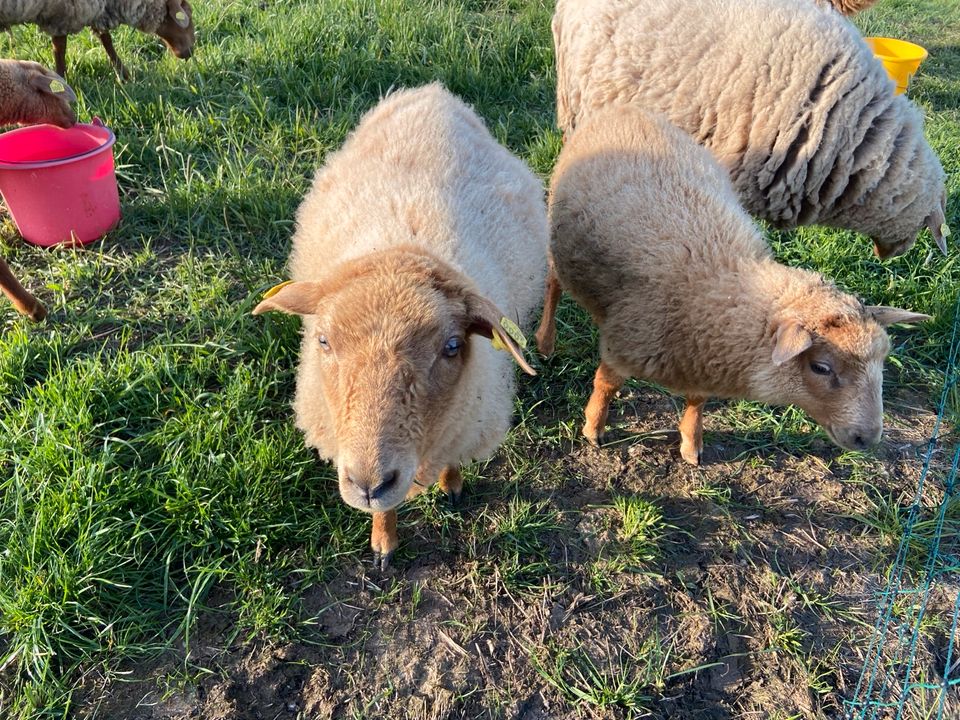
57,87
513,331
945,230
276,288
497,344
181,15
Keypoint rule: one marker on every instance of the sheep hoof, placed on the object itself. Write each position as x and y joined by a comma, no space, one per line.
544,344
594,437
454,497
38,313
381,561
690,454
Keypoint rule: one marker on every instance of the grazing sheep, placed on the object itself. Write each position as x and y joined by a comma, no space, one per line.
171,20
786,95
420,234
29,93
647,234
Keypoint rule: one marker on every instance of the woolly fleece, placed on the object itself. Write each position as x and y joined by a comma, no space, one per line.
421,169
787,96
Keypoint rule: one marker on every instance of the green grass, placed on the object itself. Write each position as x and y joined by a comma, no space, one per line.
147,452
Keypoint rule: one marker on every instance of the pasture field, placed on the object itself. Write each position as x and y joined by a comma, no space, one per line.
170,549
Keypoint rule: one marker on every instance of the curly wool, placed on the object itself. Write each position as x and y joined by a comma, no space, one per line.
787,96
58,17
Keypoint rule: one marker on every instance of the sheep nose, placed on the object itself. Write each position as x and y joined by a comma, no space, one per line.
864,438
387,482
185,54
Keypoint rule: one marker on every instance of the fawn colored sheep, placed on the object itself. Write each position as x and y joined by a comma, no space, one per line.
647,234
421,235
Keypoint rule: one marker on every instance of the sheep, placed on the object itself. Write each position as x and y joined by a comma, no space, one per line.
29,93
420,234
786,95
171,20
647,234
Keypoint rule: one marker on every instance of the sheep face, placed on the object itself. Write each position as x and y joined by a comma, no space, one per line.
177,30
387,346
37,95
832,368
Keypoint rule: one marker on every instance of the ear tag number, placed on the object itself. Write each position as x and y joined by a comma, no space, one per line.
513,331
57,87
181,15
276,288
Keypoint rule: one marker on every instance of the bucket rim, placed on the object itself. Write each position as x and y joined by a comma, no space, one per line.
40,164
905,52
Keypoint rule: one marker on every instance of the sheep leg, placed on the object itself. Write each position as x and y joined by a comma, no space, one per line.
691,430
383,539
22,300
107,41
547,332
451,482
60,54
606,383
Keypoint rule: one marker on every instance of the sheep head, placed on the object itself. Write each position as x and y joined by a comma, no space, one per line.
829,361
36,94
176,29
388,340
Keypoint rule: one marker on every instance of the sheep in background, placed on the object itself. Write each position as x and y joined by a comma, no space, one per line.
421,234
171,20
29,93
647,234
786,95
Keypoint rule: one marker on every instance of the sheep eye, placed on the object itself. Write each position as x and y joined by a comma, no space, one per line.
452,347
323,343
821,368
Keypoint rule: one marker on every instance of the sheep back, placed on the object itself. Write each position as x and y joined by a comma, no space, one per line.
787,96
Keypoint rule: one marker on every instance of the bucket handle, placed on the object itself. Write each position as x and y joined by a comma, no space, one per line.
97,121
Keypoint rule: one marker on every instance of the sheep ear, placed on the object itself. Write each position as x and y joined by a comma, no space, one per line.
486,319
937,222
296,298
891,315
53,84
791,340
179,15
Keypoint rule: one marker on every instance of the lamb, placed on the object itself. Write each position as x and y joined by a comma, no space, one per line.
171,20
786,95
29,93
419,235
647,235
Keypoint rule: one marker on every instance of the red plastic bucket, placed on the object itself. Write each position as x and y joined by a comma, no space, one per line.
60,185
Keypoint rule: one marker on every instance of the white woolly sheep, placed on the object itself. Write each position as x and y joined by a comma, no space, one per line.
647,234
171,20
29,93
420,234
786,95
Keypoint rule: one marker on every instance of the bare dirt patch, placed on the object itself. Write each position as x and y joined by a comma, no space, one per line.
754,597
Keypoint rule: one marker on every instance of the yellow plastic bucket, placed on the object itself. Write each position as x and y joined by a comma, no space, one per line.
899,57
